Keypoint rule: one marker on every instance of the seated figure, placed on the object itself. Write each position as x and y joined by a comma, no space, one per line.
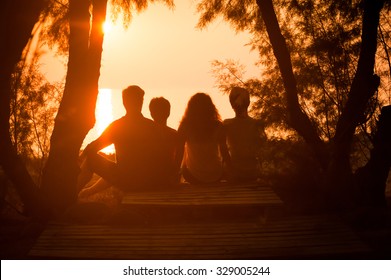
202,142
160,108
136,142
244,138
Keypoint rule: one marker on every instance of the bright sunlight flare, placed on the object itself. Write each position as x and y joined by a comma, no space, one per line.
107,27
104,114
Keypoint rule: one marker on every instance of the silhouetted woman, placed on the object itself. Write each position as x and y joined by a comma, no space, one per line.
202,141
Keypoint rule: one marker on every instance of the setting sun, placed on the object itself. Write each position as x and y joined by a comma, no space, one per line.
107,27
104,114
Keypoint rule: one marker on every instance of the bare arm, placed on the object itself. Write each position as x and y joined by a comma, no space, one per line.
179,150
104,140
223,147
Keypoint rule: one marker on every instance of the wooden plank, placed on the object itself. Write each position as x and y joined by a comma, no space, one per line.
219,202
314,237
250,194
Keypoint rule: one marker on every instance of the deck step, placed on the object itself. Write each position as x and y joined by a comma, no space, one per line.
221,194
300,237
204,200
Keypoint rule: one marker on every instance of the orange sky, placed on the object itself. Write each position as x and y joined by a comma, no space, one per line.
166,55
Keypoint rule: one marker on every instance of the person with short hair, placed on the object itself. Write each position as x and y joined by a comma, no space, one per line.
136,146
160,108
244,138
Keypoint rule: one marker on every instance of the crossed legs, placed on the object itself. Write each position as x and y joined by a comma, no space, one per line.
101,166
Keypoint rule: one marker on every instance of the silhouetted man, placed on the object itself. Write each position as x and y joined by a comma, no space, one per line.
244,138
137,150
160,111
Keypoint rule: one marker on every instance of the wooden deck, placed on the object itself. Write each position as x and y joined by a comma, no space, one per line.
218,194
202,222
202,201
291,238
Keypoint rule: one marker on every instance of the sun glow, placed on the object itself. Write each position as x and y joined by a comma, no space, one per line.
104,114
107,26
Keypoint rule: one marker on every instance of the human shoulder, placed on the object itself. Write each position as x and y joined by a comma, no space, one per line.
219,126
112,131
171,130
116,124
167,130
228,121
119,121
131,121
147,120
138,120
219,123
239,121
257,122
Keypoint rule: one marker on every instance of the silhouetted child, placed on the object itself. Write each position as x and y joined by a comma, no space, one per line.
243,139
160,108
203,143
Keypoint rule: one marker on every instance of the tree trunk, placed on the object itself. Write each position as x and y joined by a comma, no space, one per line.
363,87
365,83
371,179
17,18
76,115
297,117
340,180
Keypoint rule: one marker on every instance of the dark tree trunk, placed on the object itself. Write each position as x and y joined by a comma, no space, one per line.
372,178
336,159
363,87
76,115
297,117
17,20
340,180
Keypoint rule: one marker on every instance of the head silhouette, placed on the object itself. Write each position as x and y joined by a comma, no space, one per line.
160,109
239,99
201,116
132,98
201,107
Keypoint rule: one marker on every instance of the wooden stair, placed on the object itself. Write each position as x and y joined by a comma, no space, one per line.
314,237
